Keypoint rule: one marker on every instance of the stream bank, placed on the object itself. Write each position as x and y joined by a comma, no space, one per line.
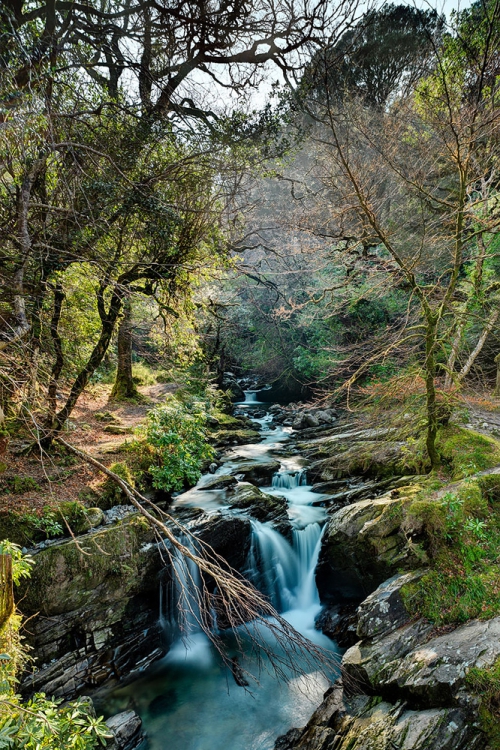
106,624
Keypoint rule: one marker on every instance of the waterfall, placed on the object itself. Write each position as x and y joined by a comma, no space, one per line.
273,565
289,480
282,572
179,608
250,397
307,542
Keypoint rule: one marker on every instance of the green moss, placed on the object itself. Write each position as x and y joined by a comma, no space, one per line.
461,530
485,683
20,485
67,575
111,494
465,452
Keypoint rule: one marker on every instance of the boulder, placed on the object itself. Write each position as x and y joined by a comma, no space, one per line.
257,472
126,730
433,673
229,536
258,504
364,723
218,482
383,611
363,546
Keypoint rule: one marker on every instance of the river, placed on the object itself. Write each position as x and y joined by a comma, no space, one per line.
189,700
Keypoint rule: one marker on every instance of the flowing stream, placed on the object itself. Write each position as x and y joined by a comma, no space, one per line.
189,700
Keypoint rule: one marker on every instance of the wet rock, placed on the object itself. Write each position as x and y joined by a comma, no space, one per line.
219,482
258,504
257,472
364,723
229,536
383,610
226,437
363,546
339,623
126,728
230,383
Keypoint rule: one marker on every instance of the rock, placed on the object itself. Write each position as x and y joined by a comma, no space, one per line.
231,384
363,546
305,420
96,613
222,438
383,610
92,518
339,623
364,723
257,472
126,728
229,536
258,504
434,673
219,482
118,429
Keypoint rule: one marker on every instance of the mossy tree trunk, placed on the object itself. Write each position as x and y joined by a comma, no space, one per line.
496,392
124,386
430,388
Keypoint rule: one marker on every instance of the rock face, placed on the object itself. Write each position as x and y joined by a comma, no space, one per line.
431,672
258,504
126,728
364,723
363,546
96,600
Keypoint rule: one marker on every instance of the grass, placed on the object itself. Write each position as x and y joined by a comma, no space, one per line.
462,537
485,683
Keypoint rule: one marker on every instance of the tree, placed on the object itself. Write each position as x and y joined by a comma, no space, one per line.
403,187
380,58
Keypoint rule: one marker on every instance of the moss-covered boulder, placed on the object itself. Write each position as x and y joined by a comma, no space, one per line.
111,564
364,545
258,504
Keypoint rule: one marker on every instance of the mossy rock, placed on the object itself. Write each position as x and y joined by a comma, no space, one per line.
222,438
67,576
111,493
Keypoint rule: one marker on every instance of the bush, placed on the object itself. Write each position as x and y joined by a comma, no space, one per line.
177,432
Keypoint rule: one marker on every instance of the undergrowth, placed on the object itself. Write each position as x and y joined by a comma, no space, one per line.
462,536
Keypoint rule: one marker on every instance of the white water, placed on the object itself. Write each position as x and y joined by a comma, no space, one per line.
189,701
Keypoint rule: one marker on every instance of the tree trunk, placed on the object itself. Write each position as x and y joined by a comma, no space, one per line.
496,392
108,324
58,350
430,388
455,347
124,386
472,357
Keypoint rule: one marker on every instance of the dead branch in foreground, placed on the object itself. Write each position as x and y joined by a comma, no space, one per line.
237,603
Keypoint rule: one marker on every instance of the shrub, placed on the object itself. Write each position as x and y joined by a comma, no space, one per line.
178,433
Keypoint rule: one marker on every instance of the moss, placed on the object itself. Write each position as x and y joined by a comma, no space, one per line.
67,575
111,494
461,532
485,683
235,437
465,452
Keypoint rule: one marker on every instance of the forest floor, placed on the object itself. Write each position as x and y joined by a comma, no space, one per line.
34,482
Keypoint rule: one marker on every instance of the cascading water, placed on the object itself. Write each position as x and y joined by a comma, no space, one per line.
286,574
289,480
184,701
